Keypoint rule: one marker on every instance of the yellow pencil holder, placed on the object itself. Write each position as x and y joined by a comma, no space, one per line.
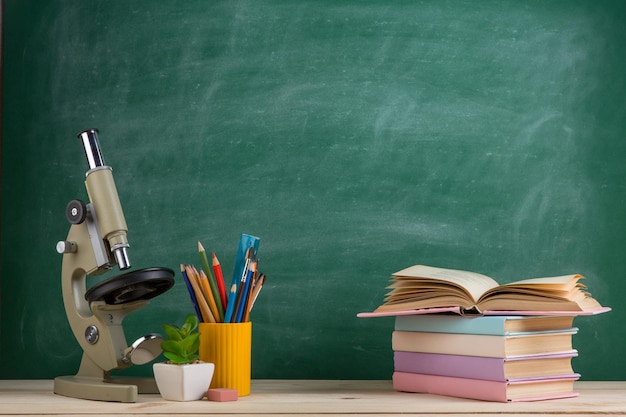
229,347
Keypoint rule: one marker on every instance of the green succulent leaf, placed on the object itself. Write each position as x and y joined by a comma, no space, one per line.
192,321
191,343
173,346
176,358
172,332
190,324
182,343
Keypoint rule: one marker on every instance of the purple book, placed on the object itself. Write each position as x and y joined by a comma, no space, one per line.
477,367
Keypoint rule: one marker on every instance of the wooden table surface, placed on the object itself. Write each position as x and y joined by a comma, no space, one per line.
311,397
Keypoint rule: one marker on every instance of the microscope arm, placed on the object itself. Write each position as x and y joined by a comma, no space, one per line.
87,326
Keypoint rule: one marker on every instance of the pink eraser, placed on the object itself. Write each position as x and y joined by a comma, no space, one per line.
222,394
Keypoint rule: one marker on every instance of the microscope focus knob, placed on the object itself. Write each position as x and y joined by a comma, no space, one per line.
76,212
64,246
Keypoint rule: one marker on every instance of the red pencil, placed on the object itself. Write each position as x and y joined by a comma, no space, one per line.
217,270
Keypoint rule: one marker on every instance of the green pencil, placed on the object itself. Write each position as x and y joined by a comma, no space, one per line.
212,282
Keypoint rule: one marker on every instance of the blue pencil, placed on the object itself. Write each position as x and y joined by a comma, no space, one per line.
192,294
245,291
233,301
246,243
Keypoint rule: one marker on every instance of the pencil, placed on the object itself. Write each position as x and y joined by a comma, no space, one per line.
247,244
245,292
219,277
231,304
211,279
191,292
234,290
207,316
246,306
240,290
207,292
258,284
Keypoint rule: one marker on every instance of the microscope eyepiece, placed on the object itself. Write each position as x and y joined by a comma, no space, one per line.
91,146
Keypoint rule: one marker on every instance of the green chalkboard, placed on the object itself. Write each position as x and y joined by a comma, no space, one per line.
355,138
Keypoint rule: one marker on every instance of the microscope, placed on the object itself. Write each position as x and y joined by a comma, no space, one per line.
96,242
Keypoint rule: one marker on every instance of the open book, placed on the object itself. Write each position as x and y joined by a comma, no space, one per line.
425,287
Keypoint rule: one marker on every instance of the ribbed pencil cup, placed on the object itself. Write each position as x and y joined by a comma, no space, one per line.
229,347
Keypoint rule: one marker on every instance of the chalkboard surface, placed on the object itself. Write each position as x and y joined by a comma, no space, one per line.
355,138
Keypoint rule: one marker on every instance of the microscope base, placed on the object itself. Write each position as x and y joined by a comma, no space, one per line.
89,388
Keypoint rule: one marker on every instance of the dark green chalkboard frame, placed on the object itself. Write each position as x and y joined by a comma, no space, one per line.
355,138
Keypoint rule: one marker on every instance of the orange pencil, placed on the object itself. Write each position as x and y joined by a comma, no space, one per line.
204,280
207,316
219,277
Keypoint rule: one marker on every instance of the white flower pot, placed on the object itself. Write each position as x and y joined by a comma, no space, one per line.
183,382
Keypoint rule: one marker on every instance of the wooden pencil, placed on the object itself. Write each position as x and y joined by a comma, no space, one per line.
234,297
240,289
211,279
246,309
191,292
202,303
219,277
258,284
245,292
217,313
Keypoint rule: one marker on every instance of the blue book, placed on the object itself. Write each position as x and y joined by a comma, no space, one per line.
487,325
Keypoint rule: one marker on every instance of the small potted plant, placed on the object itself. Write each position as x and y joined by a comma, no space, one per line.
183,377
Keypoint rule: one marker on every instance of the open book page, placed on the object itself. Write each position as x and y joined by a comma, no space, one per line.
435,301
561,292
475,284
557,282
557,287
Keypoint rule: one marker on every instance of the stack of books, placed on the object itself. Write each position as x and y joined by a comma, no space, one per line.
461,334
492,358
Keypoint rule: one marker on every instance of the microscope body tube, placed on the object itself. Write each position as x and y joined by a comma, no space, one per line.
104,198
106,203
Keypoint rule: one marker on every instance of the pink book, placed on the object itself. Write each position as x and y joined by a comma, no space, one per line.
510,391
458,310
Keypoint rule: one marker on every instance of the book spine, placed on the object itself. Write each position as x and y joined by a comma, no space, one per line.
474,388
449,386
492,325
449,344
491,369
483,345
